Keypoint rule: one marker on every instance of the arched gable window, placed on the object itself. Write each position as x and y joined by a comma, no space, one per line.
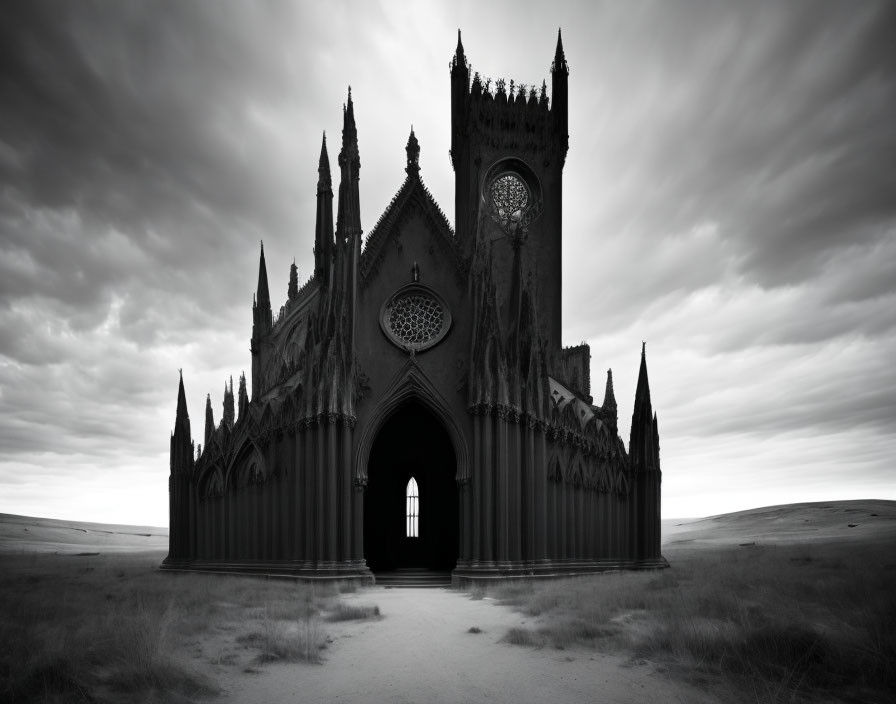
413,509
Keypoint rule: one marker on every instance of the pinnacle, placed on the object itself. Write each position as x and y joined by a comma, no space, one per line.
264,297
609,395
324,162
559,56
181,398
413,151
459,61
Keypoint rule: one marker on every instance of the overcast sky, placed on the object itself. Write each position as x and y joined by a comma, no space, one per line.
729,197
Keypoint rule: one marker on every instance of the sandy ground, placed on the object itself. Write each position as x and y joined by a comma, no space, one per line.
421,651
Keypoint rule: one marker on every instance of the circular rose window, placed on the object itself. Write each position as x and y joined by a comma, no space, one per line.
415,318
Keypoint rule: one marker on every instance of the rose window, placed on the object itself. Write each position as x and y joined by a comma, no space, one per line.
415,318
510,199
512,196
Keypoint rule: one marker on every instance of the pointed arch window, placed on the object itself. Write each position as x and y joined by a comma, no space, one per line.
413,509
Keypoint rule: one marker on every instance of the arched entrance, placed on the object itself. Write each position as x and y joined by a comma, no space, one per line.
412,444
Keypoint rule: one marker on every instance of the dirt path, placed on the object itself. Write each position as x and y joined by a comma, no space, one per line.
421,651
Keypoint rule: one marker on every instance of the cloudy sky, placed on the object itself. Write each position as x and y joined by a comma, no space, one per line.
730,197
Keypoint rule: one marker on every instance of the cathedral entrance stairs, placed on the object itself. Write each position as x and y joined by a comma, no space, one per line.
413,577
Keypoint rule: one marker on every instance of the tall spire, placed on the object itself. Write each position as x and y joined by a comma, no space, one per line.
348,220
181,438
559,64
263,298
209,420
349,132
323,226
609,396
244,396
181,401
560,96
641,446
181,463
293,290
642,393
610,412
323,166
262,322
459,58
413,150
228,405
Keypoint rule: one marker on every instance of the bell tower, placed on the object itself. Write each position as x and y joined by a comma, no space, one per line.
508,148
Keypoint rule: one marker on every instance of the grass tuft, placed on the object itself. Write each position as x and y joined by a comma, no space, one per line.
522,636
352,612
774,623
114,627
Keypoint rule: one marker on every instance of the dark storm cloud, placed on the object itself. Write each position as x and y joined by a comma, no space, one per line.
728,195
135,149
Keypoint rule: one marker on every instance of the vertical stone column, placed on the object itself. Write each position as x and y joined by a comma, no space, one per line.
486,469
346,492
502,490
332,469
476,489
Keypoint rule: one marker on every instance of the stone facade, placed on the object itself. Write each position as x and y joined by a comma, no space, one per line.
431,354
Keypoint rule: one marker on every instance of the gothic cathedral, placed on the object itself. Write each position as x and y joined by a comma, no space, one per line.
412,404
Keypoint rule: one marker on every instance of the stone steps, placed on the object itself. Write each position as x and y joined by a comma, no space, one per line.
415,578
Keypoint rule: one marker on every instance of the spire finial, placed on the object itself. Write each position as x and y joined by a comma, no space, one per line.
349,132
413,151
181,398
263,297
459,59
559,64
324,181
643,348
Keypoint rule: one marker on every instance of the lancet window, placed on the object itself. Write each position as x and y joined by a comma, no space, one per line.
413,509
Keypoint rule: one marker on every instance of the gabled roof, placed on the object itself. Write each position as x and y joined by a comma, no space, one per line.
413,193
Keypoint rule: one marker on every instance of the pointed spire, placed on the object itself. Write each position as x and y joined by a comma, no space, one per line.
264,297
228,417
244,396
609,395
209,420
181,439
559,56
642,393
413,150
348,218
262,317
324,180
293,290
349,131
642,448
181,399
459,58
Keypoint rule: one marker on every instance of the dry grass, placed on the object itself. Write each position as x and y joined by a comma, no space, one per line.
113,628
774,624
353,612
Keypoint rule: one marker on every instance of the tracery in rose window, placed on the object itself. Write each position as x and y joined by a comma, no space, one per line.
510,199
416,318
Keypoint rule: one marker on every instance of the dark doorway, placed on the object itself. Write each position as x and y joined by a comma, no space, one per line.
411,444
